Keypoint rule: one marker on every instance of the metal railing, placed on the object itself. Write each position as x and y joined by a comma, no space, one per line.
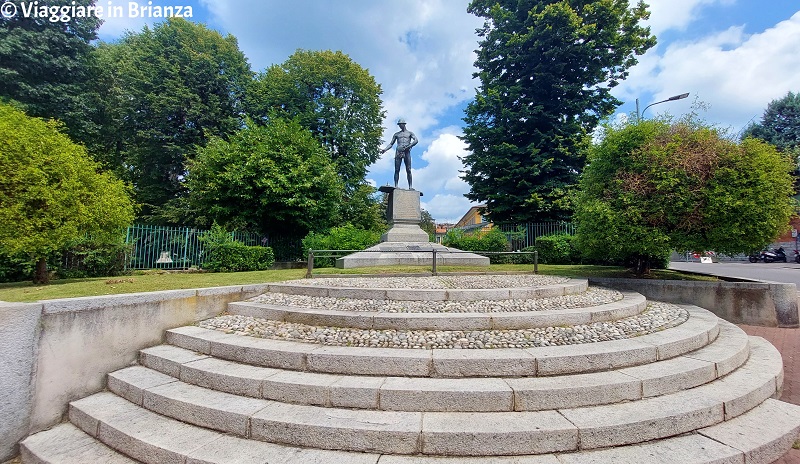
161,247
434,271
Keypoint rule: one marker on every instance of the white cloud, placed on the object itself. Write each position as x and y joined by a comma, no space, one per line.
735,73
676,14
446,207
420,51
442,171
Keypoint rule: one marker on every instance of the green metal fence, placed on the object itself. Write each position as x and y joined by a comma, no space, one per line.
160,247
532,230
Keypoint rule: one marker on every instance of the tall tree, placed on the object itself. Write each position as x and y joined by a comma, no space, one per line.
334,98
272,179
546,69
47,66
780,124
51,191
170,89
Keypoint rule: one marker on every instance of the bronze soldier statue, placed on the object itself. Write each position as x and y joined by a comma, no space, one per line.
405,140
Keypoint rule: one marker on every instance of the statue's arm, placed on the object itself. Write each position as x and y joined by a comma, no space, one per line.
414,140
388,147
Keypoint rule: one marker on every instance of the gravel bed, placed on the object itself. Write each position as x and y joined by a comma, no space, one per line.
658,316
436,282
592,297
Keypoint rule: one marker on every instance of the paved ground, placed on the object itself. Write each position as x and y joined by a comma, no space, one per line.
788,343
775,272
786,340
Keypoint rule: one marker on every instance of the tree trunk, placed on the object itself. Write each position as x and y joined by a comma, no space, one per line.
41,276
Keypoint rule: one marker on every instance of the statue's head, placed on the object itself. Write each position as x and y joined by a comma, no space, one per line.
401,122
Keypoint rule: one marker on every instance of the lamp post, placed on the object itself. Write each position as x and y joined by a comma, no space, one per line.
672,98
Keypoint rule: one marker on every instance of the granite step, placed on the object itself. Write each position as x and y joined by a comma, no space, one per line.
632,304
698,331
460,433
727,352
310,288
66,444
759,436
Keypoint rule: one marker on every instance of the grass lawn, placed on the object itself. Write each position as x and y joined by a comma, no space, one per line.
159,280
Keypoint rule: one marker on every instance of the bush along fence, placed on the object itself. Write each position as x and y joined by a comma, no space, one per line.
524,235
159,247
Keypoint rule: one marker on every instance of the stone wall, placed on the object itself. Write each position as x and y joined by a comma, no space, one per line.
752,303
56,351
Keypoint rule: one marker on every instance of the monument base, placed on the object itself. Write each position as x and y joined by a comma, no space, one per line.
406,243
410,254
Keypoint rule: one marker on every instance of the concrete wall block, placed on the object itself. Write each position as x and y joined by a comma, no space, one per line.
445,395
226,376
728,351
640,421
299,387
474,294
246,308
763,434
262,352
66,443
203,407
297,289
684,449
480,434
19,337
342,429
416,295
544,393
591,357
356,392
167,358
509,362
672,375
357,293
131,382
370,361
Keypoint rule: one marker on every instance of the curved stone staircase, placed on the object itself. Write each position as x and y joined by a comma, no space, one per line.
698,391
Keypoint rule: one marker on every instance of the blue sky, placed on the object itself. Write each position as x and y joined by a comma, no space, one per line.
733,56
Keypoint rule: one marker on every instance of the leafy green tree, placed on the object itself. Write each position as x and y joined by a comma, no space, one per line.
169,89
428,224
272,179
656,186
334,98
780,123
51,192
363,209
47,66
546,69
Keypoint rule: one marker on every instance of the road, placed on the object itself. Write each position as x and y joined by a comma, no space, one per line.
772,272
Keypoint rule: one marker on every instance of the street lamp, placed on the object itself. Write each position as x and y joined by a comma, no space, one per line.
673,98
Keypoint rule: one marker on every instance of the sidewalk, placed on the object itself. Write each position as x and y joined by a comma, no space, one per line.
787,341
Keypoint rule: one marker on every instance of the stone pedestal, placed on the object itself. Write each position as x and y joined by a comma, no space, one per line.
406,243
404,216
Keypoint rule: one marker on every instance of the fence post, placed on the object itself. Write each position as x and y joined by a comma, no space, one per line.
535,261
310,263
434,262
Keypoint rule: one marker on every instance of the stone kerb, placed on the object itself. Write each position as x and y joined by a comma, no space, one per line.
573,286
631,305
768,304
56,351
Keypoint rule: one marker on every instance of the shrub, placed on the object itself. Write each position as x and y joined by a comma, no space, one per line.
237,257
224,254
88,258
493,240
16,267
346,237
557,249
